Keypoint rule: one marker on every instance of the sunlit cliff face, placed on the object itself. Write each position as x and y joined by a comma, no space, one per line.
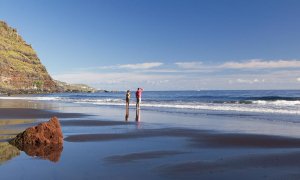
20,66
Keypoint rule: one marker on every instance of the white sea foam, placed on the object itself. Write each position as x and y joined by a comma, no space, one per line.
257,106
107,101
278,102
216,107
244,108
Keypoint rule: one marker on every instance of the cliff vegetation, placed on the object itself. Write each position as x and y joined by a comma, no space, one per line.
21,71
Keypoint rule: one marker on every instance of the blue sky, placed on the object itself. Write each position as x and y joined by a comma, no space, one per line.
165,44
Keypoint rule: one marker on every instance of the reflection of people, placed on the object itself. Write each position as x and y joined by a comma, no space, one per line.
138,95
138,115
127,114
138,118
127,104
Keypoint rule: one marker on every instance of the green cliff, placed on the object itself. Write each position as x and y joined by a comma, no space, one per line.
21,70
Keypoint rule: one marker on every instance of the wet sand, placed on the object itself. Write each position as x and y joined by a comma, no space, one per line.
28,113
261,163
92,123
198,138
280,160
287,163
96,147
141,156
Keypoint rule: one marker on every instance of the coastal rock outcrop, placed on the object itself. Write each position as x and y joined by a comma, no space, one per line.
43,134
44,140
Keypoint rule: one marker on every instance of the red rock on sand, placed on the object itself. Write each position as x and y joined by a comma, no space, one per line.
45,133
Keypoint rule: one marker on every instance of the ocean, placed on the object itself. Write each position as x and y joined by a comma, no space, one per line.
283,105
242,101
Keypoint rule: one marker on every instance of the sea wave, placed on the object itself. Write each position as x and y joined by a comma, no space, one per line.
216,107
106,100
282,103
275,98
256,106
278,102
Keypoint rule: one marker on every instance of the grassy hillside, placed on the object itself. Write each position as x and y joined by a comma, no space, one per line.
20,68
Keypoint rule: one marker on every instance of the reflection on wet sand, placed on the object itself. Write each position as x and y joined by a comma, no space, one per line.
127,113
50,152
9,128
7,152
138,118
6,122
15,103
30,113
138,115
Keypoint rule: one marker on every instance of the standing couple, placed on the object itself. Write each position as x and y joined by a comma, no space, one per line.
138,95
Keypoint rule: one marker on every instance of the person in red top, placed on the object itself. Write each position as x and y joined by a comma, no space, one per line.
138,95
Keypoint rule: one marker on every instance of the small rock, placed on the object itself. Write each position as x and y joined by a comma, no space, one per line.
45,133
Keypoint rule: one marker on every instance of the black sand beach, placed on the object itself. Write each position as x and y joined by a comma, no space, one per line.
27,113
103,145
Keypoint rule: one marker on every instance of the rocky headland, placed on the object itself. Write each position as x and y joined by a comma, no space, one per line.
22,72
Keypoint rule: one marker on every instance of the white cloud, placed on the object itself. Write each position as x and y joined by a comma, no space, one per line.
141,65
162,70
261,64
180,81
200,67
249,81
195,67
190,65
252,64
147,65
282,74
121,81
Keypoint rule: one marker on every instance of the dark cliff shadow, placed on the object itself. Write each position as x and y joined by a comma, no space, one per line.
51,152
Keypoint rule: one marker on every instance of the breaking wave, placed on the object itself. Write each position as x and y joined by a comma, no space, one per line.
265,104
